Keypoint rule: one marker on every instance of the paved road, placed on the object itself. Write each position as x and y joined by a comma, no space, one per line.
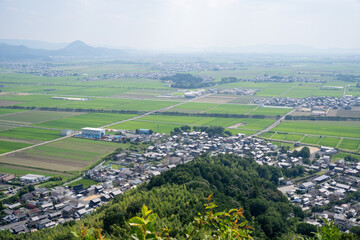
273,125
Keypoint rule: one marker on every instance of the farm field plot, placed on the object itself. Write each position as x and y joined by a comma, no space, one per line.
23,97
160,127
285,136
329,128
239,123
267,134
269,111
231,109
329,142
272,91
6,127
11,146
246,132
4,111
350,144
193,106
96,103
30,133
303,91
36,116
311,140
68,90
85,120
21,170
143,105
172,119
69,154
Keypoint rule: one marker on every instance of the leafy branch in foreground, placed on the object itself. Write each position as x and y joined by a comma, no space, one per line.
89,234
210,225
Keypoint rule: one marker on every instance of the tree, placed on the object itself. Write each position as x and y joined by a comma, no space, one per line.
304,152
185,128
355,230
137,131
306,229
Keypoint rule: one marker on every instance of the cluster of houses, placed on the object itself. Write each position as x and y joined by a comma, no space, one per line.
175,67
345,102
236,91
284,79
334,181
45,208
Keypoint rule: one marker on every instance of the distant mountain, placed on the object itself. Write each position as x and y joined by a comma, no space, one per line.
79,48
34,44
21,52
74,49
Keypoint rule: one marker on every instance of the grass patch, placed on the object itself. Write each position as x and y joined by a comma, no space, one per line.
85,182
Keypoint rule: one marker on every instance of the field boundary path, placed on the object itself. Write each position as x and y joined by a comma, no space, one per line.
277,122
288,89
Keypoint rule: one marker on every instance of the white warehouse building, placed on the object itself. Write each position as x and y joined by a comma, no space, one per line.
93,132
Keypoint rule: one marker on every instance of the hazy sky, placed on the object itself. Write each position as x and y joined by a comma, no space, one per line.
168,24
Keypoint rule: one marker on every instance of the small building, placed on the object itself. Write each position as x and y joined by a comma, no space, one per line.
31,178
144,131
92,132
66,132
321,178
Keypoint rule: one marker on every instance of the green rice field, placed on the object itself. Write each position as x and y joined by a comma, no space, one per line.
35,116
11,146
86,120
324,128
350,144
30,133
231,109
269,111
70,154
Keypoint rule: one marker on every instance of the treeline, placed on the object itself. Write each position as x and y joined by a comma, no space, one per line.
187,80
348,78
210,130
222,115
322,118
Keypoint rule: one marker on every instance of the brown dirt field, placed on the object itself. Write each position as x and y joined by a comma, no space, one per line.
33,170
43,162
237,125
89,198
312,149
